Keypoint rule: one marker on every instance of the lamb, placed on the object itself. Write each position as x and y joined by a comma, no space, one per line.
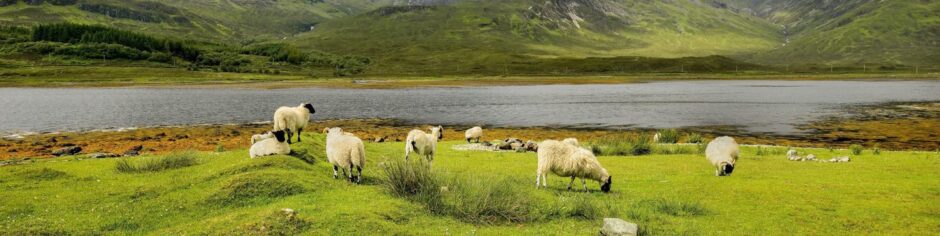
327,130
423,143
474,133
258,137
345,151
722,152
293,119
271,146
567,160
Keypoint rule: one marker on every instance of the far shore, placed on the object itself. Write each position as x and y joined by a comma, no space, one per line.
145,77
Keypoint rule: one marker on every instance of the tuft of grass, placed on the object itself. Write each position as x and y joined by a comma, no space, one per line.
668,136
675,208
876,149
856,149
159,163
695,138
277,223
673,149
219,148
623,146
257,187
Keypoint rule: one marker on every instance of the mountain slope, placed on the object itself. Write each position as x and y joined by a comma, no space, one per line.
225,20
460,36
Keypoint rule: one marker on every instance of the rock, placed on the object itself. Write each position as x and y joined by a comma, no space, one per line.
52,140
134,151
810,157
840,159
289,213
102,155
618,227
516,146
531,146
379,139
181,136
67,151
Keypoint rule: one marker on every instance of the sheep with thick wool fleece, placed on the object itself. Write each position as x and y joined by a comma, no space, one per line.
572,141
567,160
723,153
271,146
423,143
346,152
293,119
474,133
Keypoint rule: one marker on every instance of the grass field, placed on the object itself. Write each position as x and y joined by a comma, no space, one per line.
891,193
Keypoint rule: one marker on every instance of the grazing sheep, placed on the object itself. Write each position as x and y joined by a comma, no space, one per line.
792,155
423,143
345,151
258,137
722,152
572,141
474,133
568,160
271,146
293,119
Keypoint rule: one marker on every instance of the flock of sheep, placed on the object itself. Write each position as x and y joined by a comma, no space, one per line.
564,158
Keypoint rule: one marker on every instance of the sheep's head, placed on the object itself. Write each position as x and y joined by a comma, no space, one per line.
726,169
309,108
333,131
606,186
279,135
439,130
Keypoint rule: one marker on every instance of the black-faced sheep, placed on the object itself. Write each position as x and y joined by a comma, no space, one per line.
271,146
474,133
568,160
293,119
423,143
722,152
346,152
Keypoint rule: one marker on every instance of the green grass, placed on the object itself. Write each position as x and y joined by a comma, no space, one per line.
153,164
228,193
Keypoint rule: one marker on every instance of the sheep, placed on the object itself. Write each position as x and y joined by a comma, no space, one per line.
568,160
572,141
345,151
474,133
293,119
327,130
271,146
792,155
722,152
656,137
258,137
423,143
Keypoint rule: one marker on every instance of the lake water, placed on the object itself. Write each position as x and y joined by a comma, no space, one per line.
757,106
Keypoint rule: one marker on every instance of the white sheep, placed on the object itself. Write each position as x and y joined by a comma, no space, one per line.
271,146
792,155
258,137
656,137
572,141
474,133
293,119
567,160
345,151
722,152
423,143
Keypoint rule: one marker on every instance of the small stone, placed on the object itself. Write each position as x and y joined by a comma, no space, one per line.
810,157
618,227
134,151
102,155
67,151
380,139
289,213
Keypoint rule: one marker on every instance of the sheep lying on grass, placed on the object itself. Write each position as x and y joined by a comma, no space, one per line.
793,156
258,137
345,151
474,133
271,146
568,160
722,152
423,143
293,119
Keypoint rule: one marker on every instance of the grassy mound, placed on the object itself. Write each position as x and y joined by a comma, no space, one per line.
159,163
44,174
257,187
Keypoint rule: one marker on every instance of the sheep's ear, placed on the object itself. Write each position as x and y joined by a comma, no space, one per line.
326,129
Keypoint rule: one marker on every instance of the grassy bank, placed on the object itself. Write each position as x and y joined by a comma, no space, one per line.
143,75
228,193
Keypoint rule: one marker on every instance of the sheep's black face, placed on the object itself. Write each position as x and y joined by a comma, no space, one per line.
310,108
440,133
606,186
728,169
279,135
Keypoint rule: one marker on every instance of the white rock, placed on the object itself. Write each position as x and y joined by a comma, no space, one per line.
618,227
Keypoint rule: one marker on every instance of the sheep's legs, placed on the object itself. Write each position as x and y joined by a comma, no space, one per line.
583,184
289,135
538,178
351,174
407,151
545,180
359,177
335,171
569,183
298,134
468,140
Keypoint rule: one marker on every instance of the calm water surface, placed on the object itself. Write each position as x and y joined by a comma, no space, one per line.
757,106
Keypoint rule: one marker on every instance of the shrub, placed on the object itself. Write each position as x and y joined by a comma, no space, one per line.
675,208
673,149
219,148
876,150
856,149
668,136
695,138
622,146
44,174
160,163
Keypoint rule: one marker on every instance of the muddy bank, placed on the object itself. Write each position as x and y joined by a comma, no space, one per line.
896,126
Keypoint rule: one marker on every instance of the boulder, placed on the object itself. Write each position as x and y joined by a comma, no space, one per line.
618,227
102,155
380,139
134,151
810,157
289,213
67,151
531,146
